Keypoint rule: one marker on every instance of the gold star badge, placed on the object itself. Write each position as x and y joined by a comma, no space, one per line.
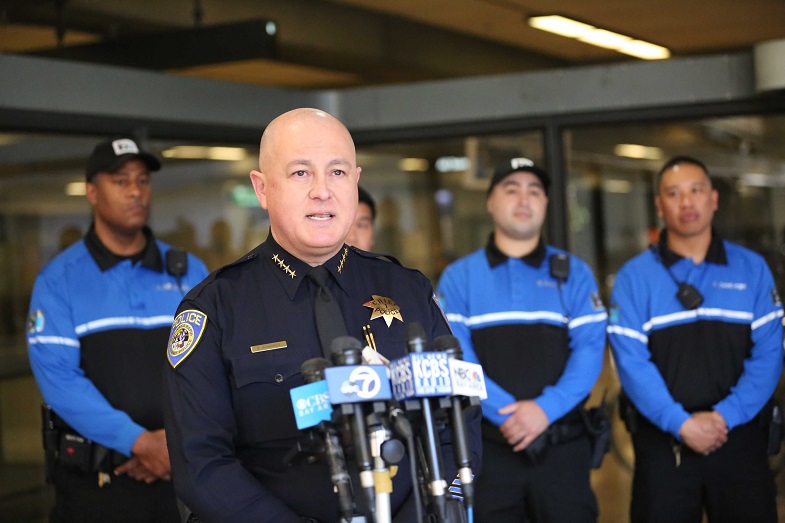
384,308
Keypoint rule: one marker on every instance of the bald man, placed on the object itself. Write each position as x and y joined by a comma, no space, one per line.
241,336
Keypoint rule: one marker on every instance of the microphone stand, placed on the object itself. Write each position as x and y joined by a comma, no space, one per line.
435,483
347,350
313,371
451,346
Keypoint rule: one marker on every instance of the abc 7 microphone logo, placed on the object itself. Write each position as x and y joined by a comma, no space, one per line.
364,382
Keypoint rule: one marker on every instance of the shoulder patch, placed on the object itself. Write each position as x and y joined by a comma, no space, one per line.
35,321
186,332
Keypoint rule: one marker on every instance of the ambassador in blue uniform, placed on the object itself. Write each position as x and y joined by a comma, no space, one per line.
250,326
100,315
696,333
532,316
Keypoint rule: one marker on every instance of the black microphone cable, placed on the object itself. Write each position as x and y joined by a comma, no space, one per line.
403,427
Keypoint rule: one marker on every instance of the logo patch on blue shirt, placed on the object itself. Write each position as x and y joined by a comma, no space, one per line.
187,330
596,301
775,297
613,313
35,322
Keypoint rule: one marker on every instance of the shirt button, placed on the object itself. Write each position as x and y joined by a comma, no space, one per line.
278,378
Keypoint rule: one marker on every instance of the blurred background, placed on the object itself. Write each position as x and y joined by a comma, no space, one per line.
435,93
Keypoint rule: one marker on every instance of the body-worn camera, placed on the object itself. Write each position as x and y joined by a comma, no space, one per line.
689,296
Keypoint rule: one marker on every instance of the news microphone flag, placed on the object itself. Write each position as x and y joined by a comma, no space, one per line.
421,374
357,383
311,404
467,379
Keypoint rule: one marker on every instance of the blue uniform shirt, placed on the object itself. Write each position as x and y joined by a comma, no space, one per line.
726,355
97,328
533,340
229,417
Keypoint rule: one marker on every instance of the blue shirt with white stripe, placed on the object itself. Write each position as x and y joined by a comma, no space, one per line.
97,335
725,355
533,339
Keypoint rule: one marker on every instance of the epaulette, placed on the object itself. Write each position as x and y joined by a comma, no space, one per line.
197,289
376,255
244,259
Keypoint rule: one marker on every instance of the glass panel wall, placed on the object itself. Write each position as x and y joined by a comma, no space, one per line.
612,183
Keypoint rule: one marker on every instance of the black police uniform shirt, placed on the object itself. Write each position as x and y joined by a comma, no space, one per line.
242,336
97,326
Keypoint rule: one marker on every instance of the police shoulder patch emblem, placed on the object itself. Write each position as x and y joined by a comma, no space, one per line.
187,329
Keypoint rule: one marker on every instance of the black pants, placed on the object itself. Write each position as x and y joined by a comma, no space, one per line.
733,484
78,499
513,489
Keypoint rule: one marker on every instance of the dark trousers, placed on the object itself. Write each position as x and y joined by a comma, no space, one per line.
513,489
732,484
78,499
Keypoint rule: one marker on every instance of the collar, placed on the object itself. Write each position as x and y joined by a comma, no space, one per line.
496,257
291,271
715,254
150,256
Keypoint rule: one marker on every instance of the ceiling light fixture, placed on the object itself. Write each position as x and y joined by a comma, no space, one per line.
590,34
177,48
199,152
75,189
413,164
640,152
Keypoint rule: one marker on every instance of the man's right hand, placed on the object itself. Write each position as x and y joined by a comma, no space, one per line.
704,432
150,460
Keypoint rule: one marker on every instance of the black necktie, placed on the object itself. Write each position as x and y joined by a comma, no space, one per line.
329,320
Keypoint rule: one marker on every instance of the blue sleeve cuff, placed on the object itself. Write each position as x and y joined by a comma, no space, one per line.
674,423
550,407
127,439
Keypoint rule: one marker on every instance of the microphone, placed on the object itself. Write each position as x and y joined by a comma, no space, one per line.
350,383
416,378
451,346
312,408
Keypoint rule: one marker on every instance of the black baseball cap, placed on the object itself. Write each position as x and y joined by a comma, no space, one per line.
110,155
514,165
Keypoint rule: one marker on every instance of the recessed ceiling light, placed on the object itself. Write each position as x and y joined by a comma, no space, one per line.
75,189
640,152
199,152
590,34
413,164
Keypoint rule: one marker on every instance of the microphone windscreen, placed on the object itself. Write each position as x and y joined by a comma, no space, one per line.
346,350
449,344
415,337
313,369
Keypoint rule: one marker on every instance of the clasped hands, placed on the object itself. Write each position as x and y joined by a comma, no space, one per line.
150,458
704,432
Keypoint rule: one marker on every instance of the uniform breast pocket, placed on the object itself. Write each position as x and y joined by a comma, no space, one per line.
389,341
261,398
